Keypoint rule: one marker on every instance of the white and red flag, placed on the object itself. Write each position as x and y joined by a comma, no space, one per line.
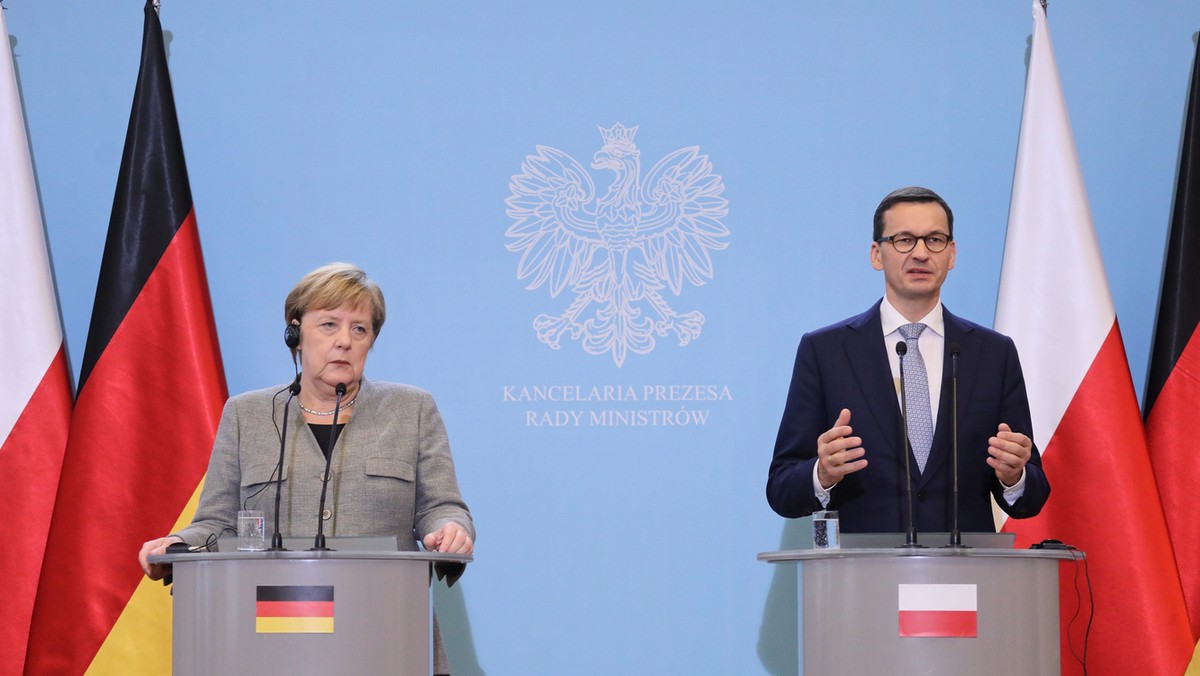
36,408
1056,304
938,610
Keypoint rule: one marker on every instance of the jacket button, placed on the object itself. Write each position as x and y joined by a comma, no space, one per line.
327,514
920,496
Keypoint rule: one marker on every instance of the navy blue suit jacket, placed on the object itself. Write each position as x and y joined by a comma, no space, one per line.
845,365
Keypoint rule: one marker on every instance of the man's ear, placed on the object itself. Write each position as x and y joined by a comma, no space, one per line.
876,256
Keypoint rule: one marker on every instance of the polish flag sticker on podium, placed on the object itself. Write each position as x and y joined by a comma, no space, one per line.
938,610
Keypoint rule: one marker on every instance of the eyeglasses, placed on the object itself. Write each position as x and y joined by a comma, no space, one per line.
935,242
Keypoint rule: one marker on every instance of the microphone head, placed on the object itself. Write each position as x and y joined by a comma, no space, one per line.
902,348
294,388
340,388
954,349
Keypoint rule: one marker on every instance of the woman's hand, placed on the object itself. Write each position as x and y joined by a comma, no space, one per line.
156,571
449,539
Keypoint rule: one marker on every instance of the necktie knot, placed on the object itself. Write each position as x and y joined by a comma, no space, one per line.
912,331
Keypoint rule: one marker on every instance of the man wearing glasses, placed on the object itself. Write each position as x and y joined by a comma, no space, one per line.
840,444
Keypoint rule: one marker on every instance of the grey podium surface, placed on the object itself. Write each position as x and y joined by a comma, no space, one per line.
382,618
849,612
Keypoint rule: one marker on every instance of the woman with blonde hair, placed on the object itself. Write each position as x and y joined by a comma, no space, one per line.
391,472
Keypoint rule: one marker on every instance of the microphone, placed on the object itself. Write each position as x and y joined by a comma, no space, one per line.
955,533
910,537
319,541
277,537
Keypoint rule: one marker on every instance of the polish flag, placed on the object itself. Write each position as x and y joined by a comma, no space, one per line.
938,610
35,410
1055,303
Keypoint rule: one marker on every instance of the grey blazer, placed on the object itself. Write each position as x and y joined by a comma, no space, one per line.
392,473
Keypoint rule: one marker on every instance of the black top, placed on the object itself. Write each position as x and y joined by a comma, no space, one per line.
322,432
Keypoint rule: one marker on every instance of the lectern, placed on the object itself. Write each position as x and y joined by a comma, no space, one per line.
302,612
927,611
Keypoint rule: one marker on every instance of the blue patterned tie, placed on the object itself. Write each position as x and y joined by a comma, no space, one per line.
916,386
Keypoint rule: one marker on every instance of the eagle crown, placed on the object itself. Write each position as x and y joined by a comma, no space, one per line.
619,138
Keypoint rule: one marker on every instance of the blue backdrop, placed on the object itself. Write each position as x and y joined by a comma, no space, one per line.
617,527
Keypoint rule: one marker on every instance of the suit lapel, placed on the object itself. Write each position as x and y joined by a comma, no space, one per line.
868,358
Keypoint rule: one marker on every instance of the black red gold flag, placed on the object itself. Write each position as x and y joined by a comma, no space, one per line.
293,609
1172,398
150,395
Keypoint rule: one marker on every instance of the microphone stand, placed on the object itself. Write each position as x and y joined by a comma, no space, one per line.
910,537
319,541
277,537
955,533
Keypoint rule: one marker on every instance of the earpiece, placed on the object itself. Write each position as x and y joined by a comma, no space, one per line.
291,335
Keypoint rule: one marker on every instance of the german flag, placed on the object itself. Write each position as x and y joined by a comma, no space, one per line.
1172,399
150,394
291,609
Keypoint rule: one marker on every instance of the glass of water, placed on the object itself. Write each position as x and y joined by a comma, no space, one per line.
252,531
826,531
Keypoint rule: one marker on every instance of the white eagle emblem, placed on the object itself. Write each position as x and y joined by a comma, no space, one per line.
618,252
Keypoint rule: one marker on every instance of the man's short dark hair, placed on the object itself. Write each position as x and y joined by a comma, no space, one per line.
912,193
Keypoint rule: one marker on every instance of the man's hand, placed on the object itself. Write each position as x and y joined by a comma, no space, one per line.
838,453
1009,452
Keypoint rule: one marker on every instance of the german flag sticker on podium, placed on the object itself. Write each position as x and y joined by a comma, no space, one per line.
293,609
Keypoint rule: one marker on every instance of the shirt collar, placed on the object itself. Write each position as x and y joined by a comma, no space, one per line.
892,320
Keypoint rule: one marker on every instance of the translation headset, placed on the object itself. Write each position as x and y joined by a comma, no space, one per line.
291,335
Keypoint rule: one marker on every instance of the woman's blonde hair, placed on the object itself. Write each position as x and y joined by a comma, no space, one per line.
332,286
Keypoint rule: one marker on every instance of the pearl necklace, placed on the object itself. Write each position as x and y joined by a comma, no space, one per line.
312,412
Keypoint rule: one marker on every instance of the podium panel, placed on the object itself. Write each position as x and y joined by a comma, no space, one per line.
302,612
927,611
